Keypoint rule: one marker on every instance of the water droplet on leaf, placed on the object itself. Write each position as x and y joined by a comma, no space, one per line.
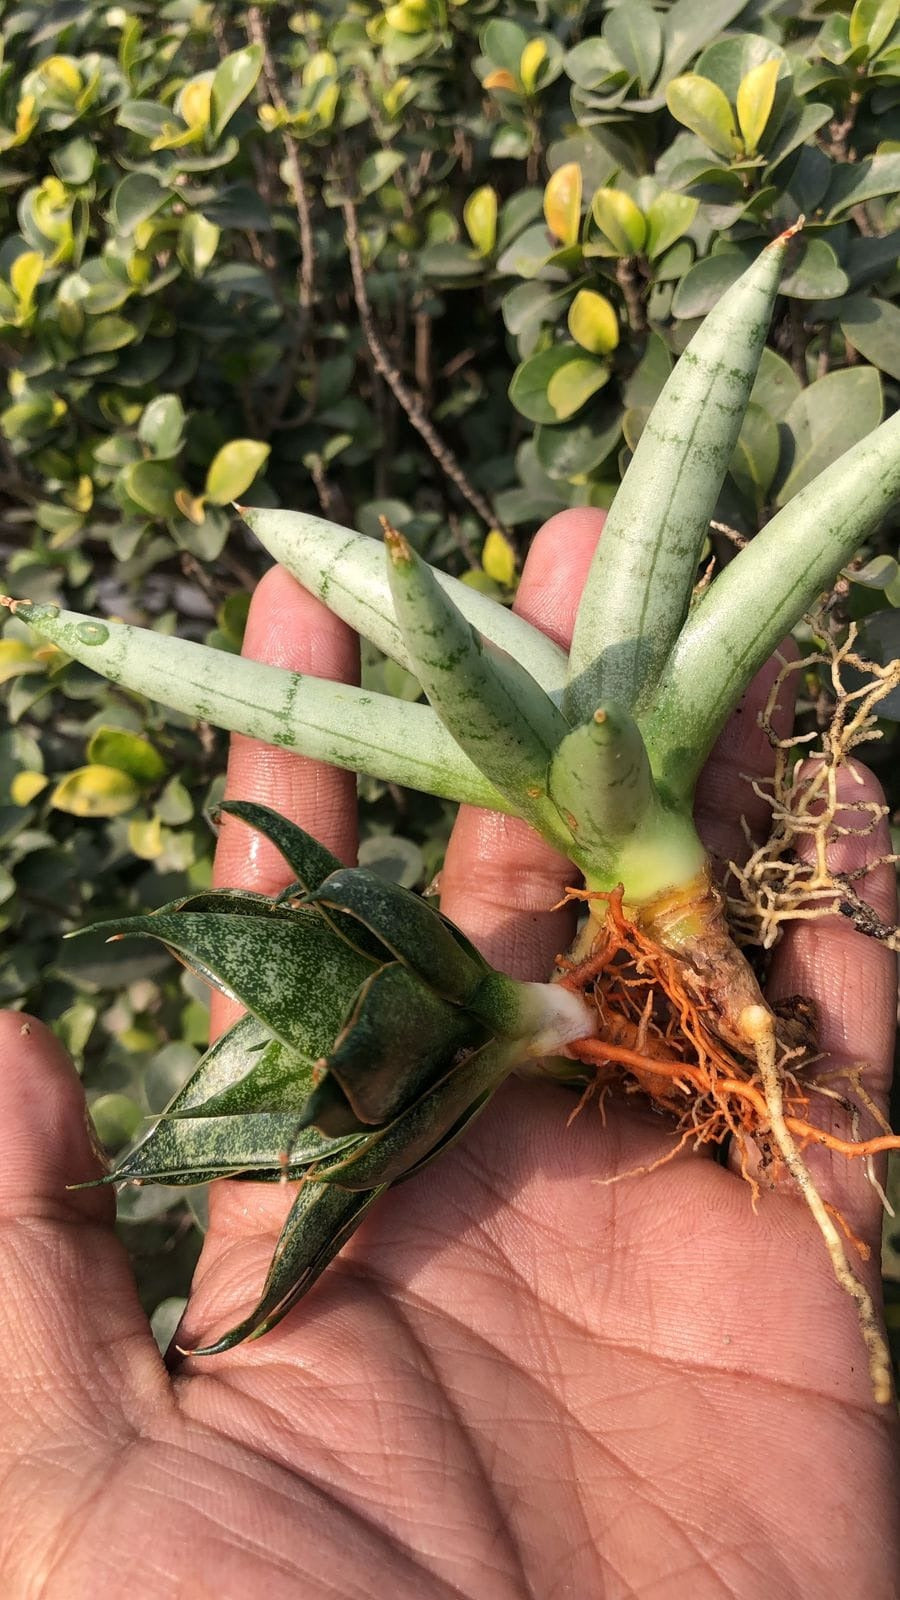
92,632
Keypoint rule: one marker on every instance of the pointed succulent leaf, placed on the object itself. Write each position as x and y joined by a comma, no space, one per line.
320,1221
293,973
227,1061
308,859
639,585
494,709
759,597
411,929
398,1038
187,1150
347,571
601,781
347,727
443,1109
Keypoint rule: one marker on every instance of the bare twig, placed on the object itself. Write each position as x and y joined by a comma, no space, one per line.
629,280
306,277
410,400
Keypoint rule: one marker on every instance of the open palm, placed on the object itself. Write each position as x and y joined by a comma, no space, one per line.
516,1381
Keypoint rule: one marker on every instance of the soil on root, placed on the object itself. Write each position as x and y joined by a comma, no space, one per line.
656,1038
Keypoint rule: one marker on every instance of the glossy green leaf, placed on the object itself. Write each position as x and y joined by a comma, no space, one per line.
700,105
530,383
152,486
233,469
755,460
872,327
136,197
824,420
634,30
871,22
668,217
161,427
234,80
198,242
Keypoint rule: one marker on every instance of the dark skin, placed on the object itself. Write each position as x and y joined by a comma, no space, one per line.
515,1382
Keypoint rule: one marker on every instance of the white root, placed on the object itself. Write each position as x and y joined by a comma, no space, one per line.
760,1030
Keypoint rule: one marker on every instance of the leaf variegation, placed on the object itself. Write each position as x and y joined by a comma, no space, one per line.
492,706
639,585
347,572
759,597
348,727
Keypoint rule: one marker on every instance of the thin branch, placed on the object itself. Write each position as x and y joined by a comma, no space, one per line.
629,281
306,277
411,401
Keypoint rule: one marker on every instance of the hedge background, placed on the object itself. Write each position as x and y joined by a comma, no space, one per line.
432,260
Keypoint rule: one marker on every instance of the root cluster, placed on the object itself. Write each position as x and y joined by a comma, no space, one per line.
653,1041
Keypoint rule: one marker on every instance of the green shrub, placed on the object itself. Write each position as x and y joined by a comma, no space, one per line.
433,260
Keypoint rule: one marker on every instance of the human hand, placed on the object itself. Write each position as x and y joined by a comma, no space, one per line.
514,1381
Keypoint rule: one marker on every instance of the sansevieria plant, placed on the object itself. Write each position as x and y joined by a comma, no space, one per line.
374,1030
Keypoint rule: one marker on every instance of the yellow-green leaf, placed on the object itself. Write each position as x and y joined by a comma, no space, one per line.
562,203
24,276
128,752
145,837
409,16
480,218
593,323
16,657
233,80
532,59
95,792
701,105
498,558
668,217
197,243
574,383
26,786
195,101
871,21
319,67
755,96
619,218
233,469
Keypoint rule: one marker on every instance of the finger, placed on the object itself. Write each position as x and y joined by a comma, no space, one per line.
741,756
286,627
500,878
851,978
67,1294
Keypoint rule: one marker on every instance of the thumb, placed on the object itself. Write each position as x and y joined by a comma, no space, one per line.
69,1310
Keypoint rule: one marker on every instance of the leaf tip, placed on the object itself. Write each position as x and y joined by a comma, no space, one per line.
399,550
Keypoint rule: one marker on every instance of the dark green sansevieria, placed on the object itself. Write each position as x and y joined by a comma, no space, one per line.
375,1032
